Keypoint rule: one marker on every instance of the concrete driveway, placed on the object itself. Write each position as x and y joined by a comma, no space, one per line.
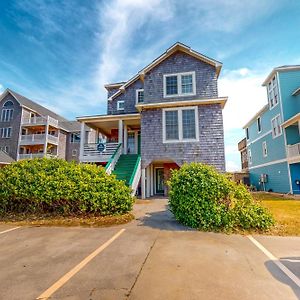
153,257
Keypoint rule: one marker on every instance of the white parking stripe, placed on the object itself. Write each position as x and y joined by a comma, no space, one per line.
58,284
8,230
276,261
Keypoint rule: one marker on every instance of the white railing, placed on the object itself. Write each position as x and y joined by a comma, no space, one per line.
92,154
136,177
31,139
52,138
40,121
114,159
293,150
35,155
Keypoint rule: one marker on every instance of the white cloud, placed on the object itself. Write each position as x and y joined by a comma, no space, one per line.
245,95
1,88
232,166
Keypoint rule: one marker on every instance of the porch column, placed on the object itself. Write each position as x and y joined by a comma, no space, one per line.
136,142
82,141
46,137
148,181
125,139
143,185
120,136
151,181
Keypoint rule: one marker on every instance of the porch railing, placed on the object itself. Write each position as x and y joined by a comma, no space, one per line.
29,139
92,154
35,155
110,166
293,150
39,121
135,177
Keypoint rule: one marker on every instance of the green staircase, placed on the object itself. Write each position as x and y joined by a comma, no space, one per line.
125,167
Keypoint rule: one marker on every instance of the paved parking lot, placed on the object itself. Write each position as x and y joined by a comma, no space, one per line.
151,258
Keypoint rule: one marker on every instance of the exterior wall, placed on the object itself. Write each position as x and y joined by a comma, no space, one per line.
295,175
206,78
278,177
129,98
13,141
209,149
292,135
289,82
70,147
62,144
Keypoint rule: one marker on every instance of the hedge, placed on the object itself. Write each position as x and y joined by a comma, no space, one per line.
57,186
200,197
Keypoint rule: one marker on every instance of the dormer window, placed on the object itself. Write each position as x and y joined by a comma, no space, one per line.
139,96
180,84
120,105
273,92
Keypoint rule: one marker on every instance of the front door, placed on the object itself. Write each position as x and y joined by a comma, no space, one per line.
159,181
131,143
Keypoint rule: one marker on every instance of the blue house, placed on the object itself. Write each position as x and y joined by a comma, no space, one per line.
273,139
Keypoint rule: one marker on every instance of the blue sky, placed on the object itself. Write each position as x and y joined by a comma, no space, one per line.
60,53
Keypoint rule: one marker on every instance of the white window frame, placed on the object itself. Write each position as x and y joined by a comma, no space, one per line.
247,134
258,120
179,87
118,105
271,92
249,157
5,132
265,149
137,95
7,114
277,125
72,141
180,128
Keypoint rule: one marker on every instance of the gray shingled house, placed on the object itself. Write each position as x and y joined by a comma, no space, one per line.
30,130
169,113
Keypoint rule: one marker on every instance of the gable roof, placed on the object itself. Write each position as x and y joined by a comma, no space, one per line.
5,158
281,69
176,47
27,103
258,114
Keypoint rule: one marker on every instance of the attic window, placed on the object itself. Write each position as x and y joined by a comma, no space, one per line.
120,105
139,96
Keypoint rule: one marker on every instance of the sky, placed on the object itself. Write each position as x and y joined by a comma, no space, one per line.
61,53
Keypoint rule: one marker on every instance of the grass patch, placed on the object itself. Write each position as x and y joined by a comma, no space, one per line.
65,221
285,210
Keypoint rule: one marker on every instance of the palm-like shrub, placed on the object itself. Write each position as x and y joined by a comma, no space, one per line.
54,185
200,197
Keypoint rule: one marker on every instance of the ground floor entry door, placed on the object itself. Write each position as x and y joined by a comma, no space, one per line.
159,181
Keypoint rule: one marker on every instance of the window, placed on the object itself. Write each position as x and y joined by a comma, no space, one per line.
120,105
249,156
259,124
265,149
272,92
181,84
75,137
180,124
247,133
139,96
74,152
7,114
4,149
276,126
5,132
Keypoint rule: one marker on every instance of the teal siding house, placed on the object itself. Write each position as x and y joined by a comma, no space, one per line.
273,134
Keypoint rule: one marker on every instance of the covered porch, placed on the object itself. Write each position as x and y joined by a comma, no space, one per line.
292,133
114,133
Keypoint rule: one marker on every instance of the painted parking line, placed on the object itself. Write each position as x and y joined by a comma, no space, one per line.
276,261
65,278
8,230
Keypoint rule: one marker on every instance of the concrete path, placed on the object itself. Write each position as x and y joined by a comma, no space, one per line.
154,258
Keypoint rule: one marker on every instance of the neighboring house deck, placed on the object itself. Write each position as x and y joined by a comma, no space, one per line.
29,130
273,140
166,115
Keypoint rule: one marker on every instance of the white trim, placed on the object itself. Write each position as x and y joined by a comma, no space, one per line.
276,70
4,132
265,149
137,96
180,129
279,161
179,84
249,156
134,116
272,91
257,139
258,129
277,125
260,112
247,134
118,104
155,181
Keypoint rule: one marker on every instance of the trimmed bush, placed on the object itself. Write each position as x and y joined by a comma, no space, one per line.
57,186
200,197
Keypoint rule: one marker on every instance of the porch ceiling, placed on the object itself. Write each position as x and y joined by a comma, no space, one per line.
291,121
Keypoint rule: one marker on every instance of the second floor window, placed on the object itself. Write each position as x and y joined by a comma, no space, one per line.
265,149
247,133
120,105
180,124
181,84
75,138
139,96
7,114
5,132
273,92
259,124
276,126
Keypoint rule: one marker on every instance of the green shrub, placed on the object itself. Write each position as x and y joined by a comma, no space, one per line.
200,197
54,185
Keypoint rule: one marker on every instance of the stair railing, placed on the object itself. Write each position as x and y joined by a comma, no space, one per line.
110,166
135,176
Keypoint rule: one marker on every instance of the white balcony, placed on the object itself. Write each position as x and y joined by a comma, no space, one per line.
44,120
35,155
293,151
37,139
